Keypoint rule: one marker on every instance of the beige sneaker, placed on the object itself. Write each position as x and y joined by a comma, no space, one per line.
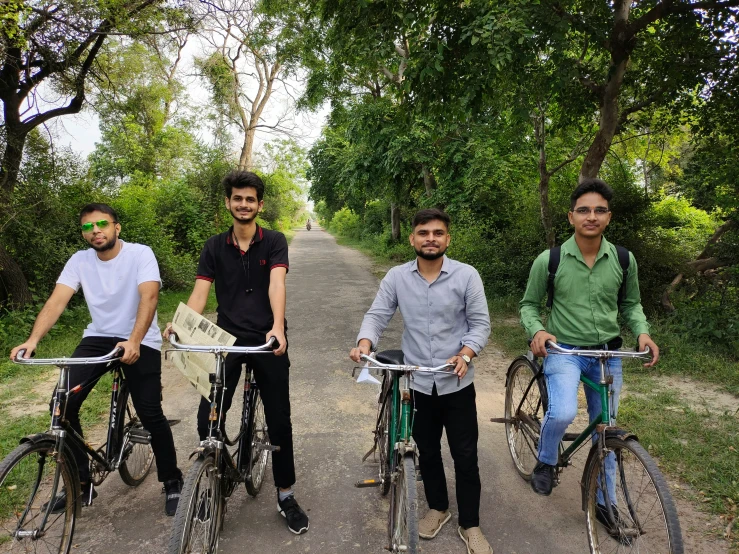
432,522
475,541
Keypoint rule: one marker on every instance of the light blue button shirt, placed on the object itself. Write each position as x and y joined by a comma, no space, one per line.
439,318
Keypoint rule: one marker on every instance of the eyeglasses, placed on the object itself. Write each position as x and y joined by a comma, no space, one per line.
88,227
600,210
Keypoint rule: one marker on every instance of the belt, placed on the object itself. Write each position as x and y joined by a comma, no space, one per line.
613,344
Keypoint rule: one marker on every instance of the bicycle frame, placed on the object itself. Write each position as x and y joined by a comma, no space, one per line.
62,430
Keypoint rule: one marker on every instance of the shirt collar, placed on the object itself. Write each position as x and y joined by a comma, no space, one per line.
258,235
570,247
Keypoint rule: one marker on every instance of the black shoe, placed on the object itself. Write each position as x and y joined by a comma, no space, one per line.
297,520
60,502
613,529
172,490
542,479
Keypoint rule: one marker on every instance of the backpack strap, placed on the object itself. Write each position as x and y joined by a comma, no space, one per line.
554,255
624,260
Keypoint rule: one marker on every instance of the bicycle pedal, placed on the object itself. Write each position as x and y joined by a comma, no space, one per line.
139,436
270,447
173,422
368,483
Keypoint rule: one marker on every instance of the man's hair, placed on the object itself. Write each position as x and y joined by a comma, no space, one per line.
239,179
431,214
591,185
89,208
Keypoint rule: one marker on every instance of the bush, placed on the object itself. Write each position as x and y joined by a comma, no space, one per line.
346,223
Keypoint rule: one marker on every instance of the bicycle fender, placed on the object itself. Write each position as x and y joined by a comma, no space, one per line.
37,438
203,450
611,432
536,368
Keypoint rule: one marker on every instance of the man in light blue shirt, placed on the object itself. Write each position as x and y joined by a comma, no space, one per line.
446,320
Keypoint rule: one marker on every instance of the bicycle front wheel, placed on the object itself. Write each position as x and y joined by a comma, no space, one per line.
196,525
403,516
138,455
643,517
27,484
256,439
525,406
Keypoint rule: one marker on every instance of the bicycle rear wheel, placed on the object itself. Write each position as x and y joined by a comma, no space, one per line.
27,482
197,524
138,455
256,439
525,406
645,516
403,515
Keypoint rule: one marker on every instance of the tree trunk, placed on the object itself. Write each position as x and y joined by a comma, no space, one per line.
546,213
13,280
12,158
395,221
245,160
621,46
429,181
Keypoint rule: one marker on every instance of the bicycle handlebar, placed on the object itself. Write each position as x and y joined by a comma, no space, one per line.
597,353
393,367
265,348
113,355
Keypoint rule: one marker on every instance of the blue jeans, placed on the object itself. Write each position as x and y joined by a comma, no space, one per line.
562,375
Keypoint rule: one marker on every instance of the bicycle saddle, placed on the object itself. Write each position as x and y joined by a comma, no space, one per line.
391,357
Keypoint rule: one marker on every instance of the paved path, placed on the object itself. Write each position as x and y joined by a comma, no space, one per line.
329,289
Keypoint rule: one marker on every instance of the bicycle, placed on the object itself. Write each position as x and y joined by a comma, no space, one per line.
395,447
217,471
43,464
638,510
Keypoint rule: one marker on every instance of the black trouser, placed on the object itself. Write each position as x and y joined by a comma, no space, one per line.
457,413
272,374
144,380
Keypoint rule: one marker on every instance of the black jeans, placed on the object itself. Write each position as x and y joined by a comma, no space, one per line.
457,413
144,380
272,374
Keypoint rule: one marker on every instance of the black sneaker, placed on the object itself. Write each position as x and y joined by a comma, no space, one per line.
616,530
60,502
172,490
542,479
297,520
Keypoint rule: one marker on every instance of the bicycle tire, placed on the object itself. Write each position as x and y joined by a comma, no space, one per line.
382,434
646,514
32,486
137,462
523,426
255,437
403,514
199,509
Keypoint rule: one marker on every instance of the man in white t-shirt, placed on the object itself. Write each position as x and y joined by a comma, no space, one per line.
120,282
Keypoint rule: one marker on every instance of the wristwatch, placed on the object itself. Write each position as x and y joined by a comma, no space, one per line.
466,358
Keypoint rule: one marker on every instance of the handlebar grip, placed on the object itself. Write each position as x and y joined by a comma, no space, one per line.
274,344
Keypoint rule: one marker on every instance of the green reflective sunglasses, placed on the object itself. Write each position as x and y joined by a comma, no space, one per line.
102,224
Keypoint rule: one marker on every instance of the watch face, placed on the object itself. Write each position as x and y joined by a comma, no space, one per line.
466,358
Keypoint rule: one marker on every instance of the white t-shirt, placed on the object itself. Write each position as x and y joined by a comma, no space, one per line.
111,289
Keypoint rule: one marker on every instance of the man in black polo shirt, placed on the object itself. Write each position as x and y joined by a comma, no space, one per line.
249,265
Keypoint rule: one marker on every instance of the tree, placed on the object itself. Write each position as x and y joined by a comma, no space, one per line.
54,47
247,61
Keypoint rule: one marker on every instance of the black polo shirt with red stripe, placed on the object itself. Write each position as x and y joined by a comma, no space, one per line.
242,281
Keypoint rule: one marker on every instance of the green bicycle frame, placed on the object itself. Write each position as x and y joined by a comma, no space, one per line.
401,421
604,391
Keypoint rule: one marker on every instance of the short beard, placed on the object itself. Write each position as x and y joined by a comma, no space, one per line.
105,247
430,257
240,221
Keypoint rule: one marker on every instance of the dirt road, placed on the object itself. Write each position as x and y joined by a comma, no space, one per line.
329,289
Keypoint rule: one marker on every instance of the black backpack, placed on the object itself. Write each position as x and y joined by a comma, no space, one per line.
554,256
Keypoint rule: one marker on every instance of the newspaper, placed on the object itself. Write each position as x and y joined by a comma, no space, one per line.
193,328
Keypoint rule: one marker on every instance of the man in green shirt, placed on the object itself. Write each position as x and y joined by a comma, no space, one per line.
584,315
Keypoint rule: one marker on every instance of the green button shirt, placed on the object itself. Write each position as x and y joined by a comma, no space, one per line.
585,308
